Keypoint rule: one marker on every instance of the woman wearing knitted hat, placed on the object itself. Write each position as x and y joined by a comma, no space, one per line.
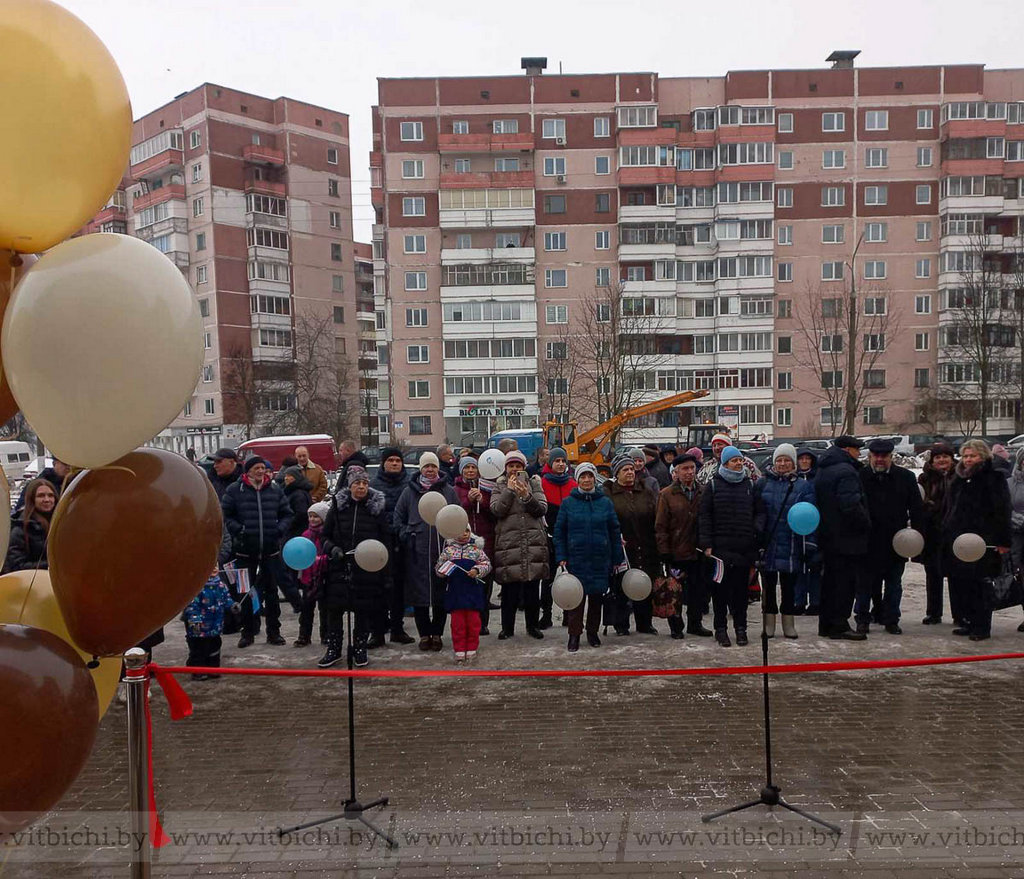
558,483
727,530
719,442
475,497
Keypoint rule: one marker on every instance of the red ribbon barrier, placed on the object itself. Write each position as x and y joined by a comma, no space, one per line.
156,829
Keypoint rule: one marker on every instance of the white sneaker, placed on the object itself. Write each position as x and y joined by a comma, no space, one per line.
470,654
460,656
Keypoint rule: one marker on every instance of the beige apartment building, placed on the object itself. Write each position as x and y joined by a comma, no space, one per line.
737,216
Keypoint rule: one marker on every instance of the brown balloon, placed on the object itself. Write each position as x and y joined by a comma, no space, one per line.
8,405
130,545
50,722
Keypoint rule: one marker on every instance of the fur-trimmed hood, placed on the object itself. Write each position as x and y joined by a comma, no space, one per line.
375,500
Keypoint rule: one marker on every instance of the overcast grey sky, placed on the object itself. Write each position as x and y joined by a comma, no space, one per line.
330,53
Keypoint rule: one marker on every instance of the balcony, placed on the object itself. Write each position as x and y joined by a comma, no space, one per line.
268,354
165,226
971,204
266,187
647,242
378,232
647,212
648,175
271,322
486,218
485,143
482,255
967,128
257,154
488,180
267,287
647,136
663,287
156,166
272,221
158,196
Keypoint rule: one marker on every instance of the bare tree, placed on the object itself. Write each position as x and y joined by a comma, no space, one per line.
560,374
325,385
241,389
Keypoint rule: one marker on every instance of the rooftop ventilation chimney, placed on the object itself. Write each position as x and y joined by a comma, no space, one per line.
842,59
533,66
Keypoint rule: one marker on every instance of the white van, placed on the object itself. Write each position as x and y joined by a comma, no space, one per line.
14,457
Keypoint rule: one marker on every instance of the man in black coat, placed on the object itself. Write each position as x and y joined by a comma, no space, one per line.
842,535
258,516
893,500
391,480
656,467
225,471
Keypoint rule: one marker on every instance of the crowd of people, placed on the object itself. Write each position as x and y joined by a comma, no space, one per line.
710,531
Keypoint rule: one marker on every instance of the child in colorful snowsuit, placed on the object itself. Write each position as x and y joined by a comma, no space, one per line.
204,623
464,565
312,578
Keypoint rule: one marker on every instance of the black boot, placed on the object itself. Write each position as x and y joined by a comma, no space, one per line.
333,652
359,657
400,636
545,621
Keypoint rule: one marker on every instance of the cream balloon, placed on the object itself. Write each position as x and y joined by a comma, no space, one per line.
567,591
371,555
102,345
451,521
636,584
431,503
492,463
908,543
969,547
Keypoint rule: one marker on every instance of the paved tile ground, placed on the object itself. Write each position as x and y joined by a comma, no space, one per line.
580,777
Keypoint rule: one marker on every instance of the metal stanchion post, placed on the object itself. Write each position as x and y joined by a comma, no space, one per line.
135,676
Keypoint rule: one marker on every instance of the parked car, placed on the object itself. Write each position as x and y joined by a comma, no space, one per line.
901,442
275,448
15,457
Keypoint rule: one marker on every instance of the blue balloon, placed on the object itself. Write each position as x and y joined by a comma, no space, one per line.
299,553
803,518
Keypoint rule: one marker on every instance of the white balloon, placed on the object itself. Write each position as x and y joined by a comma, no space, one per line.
492,463
102,346
451,521
371,555
431,503
908,543
636,584
969,547
567,591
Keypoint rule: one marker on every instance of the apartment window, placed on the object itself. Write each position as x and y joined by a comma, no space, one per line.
784,271
874,414
924,157
197,207
925,119
336,252
554,165
786,160
874,305
602,126
785,196
831,415
831,271
784,417
831,343
784,381
833,122
636,273
876,195
555,278
833,196
602,240
339,314
603,276
337,283
419,389
923,269
785,344
505,126
415,280
556,314
415,243
204,307
417,354
638,117
334,218
200,274
833,233
464,241
200,241
412,169
419,425
921,341
874,341
602,203
874,270
411,131
556,351
276,338
876,120
924,231
877,157
602,165
415,317
833,159
207,341
995,147
460,126
506,164
784,307
332,187
197,172
332,156
507,239
923,304
552,128
554,204
832,378
415,206
923,193
195,139
922,377
208,373
785,234
209,407
270,305
831,308
786,122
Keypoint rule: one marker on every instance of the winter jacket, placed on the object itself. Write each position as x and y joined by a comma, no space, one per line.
644,478
709,470
520,538
313,577
258,519
27,549
783,550
728,521
222,483
660,472
935,486
481,521
845,521
420,547
808,475
978,504
675,525
449,469
554,494
299,499
588,539
356,459
317,479
463,592
636,509
392,485
349,522
204,615
1002,466
893,500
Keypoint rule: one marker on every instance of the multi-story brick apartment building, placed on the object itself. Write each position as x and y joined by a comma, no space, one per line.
251,198
731,212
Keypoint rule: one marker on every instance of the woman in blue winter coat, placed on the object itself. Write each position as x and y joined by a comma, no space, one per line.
588,543
784,552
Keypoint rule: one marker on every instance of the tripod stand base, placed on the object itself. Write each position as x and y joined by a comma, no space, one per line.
771,796
353,811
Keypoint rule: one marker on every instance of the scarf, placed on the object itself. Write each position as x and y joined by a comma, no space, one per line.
556,478
488,485
427,482
585,491
734,476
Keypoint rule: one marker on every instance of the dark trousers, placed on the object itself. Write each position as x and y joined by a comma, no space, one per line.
934,577
574,617
695,590
288,582
769,597
511,594
546,601
336,626
203,652
396,604
643,611
880,592
969,593
261,574
430,620
807,592
730,596
485,613
306,618
840,576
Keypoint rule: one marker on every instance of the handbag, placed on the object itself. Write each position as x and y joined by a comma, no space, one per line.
1005,588
667,597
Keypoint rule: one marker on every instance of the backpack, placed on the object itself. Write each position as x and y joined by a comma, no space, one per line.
667,597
